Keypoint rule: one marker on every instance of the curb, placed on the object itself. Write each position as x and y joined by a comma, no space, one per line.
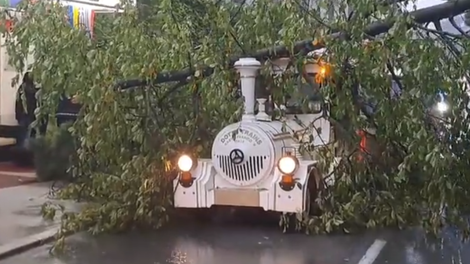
26,243
31,175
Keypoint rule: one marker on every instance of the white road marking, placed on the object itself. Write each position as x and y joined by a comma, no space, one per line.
373,252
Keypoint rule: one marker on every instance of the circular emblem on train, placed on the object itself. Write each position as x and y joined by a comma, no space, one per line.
236,156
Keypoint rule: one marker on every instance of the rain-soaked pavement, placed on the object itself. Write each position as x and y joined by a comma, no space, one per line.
215,244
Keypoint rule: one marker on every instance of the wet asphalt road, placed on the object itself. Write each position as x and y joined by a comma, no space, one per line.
250,245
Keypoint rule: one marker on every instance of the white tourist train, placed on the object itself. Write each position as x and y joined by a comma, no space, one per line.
257,162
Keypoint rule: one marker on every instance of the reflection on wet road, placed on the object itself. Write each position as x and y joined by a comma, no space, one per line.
412,247
251,245
209,245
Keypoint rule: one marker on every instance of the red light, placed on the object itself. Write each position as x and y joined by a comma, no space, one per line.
9,25
362,144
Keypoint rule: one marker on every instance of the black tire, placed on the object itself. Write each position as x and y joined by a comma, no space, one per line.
313,192
311,207
291,229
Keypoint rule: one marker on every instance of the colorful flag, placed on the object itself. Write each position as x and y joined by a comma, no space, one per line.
92,22
83,19
76,15
13,3
87,20
70,15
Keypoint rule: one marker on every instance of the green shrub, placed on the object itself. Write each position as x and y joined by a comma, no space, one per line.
53,154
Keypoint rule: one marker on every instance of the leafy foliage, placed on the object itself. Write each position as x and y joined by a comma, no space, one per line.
128,139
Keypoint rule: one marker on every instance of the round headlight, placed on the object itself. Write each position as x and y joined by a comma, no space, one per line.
185,163
442,107
287,164
315,106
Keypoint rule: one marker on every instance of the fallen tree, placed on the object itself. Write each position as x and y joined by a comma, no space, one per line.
425,15
128,139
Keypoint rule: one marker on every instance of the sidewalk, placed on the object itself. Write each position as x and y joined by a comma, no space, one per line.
21,222
20,211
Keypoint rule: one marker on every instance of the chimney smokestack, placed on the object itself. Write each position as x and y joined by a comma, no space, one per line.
248,69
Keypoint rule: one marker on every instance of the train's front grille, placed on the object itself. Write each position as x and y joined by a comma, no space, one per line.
246,171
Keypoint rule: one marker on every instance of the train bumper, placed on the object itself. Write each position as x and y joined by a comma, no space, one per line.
207,188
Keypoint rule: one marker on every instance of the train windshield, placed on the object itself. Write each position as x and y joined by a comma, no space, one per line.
307,99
